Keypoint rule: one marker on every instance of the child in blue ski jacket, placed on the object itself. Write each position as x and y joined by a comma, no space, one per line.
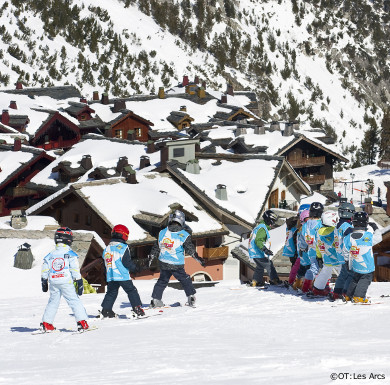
59,269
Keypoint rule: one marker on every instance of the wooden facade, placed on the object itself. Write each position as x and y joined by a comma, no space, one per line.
132,127
382,251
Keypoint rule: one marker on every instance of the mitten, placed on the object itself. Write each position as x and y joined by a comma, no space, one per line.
45,285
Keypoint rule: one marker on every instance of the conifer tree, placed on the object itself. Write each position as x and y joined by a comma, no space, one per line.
385,135
370,144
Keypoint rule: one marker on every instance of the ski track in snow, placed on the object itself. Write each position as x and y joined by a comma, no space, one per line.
231,337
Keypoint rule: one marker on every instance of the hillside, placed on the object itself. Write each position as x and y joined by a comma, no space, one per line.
323,62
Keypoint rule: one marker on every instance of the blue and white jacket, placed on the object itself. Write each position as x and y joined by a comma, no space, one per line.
61,265
114,255
309,232
171,246
253,250
302,247
327,241
342,227
290,248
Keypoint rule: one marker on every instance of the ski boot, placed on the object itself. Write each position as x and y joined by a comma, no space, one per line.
106,313
156,303
138,311
297,284
307,285
47,328
191,300
360,300
82,325
346,298
276,282
321,293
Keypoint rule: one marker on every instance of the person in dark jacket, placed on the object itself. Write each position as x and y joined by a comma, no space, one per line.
119,264
172,243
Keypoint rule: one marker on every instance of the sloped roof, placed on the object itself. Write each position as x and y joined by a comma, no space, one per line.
59,92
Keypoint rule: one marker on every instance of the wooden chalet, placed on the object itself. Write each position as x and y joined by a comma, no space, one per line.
80,111
180,120
387,184
56,132
313,162
14,195
237,114
17,122
382,258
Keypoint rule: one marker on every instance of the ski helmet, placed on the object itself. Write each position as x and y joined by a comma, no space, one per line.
120,232
304,215
346,210
177,216
304,206
270,217
316,209
330,218
360,219
63,235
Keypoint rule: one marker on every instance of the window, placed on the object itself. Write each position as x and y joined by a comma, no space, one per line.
88,220
118,134
76,218
138,132
178,152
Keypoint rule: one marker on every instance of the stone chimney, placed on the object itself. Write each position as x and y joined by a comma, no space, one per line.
17,144
104,99
201,93
259,130
224,99
86,162
183,108
122,163
19,85
130,175
221,192
185,80
144,162
150,147
13,105
229,90
275,126
83,99
192,166
240,131
288,129
95,95
18,219
119,105
196,79
161,93
5,118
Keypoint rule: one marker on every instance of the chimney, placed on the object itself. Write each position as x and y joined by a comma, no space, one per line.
19,85
229,90
130,135
86,162
95,95
13,105
221,193
196,79
104,99
183,108
192,166
240,131
129,174
275,126
150,147
295,125
122,163
288,129
161,93
259,130
144,162
185,80
224,99
204,84
5,118
201,93
119,105
164,156
17,144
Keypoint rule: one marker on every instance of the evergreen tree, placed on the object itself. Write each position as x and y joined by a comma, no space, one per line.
370,144
385,135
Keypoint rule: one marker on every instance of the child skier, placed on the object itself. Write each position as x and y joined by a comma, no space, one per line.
309,230
327,241
172,242
290,248
346,211
359,242
118,263
259,250
59,269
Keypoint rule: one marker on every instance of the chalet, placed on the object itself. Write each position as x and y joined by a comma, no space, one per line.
180,120
382,257
387,184
80,111
56,132
17,122
144,207
236,114
18,165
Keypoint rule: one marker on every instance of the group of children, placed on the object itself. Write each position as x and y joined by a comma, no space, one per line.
320,242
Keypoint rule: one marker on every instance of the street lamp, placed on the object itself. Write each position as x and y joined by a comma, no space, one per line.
352,177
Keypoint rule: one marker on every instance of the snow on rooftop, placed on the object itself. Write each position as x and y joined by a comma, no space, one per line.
152,194
254,176
34,222
103,153
10,161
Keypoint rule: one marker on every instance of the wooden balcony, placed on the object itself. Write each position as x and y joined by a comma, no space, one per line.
314,179
216,252
307,162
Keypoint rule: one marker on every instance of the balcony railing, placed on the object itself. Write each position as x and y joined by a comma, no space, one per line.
307,162
216,252
314,179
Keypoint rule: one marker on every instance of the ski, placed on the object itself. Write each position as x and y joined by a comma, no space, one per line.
41,331
175,304
136,317
81,331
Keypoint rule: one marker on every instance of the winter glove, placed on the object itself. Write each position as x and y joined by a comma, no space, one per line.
45,285
201,260
266,251
79,286
373,225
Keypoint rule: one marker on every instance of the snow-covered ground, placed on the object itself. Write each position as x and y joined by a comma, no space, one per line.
236,335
